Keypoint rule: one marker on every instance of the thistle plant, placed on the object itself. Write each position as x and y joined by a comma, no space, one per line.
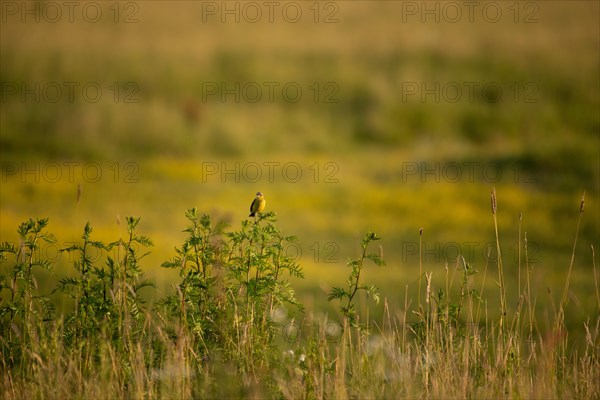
108,307
127,279
88,289
25,309
198,304
348,294
229,284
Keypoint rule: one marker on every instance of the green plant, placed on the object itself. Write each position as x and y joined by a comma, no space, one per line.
354,285
89,289
199,304
26,310
126,280
230,284
215,336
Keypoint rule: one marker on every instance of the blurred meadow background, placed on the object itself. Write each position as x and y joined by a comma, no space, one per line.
348,116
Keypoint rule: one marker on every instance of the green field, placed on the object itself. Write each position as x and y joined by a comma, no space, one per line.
350,117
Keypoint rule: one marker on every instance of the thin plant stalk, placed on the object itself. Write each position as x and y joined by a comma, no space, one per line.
565,295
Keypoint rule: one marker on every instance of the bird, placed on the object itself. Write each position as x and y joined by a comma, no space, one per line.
258,204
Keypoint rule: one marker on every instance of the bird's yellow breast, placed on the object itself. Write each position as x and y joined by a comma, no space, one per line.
261,204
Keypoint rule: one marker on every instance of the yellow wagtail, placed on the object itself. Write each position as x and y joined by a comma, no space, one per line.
258,204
